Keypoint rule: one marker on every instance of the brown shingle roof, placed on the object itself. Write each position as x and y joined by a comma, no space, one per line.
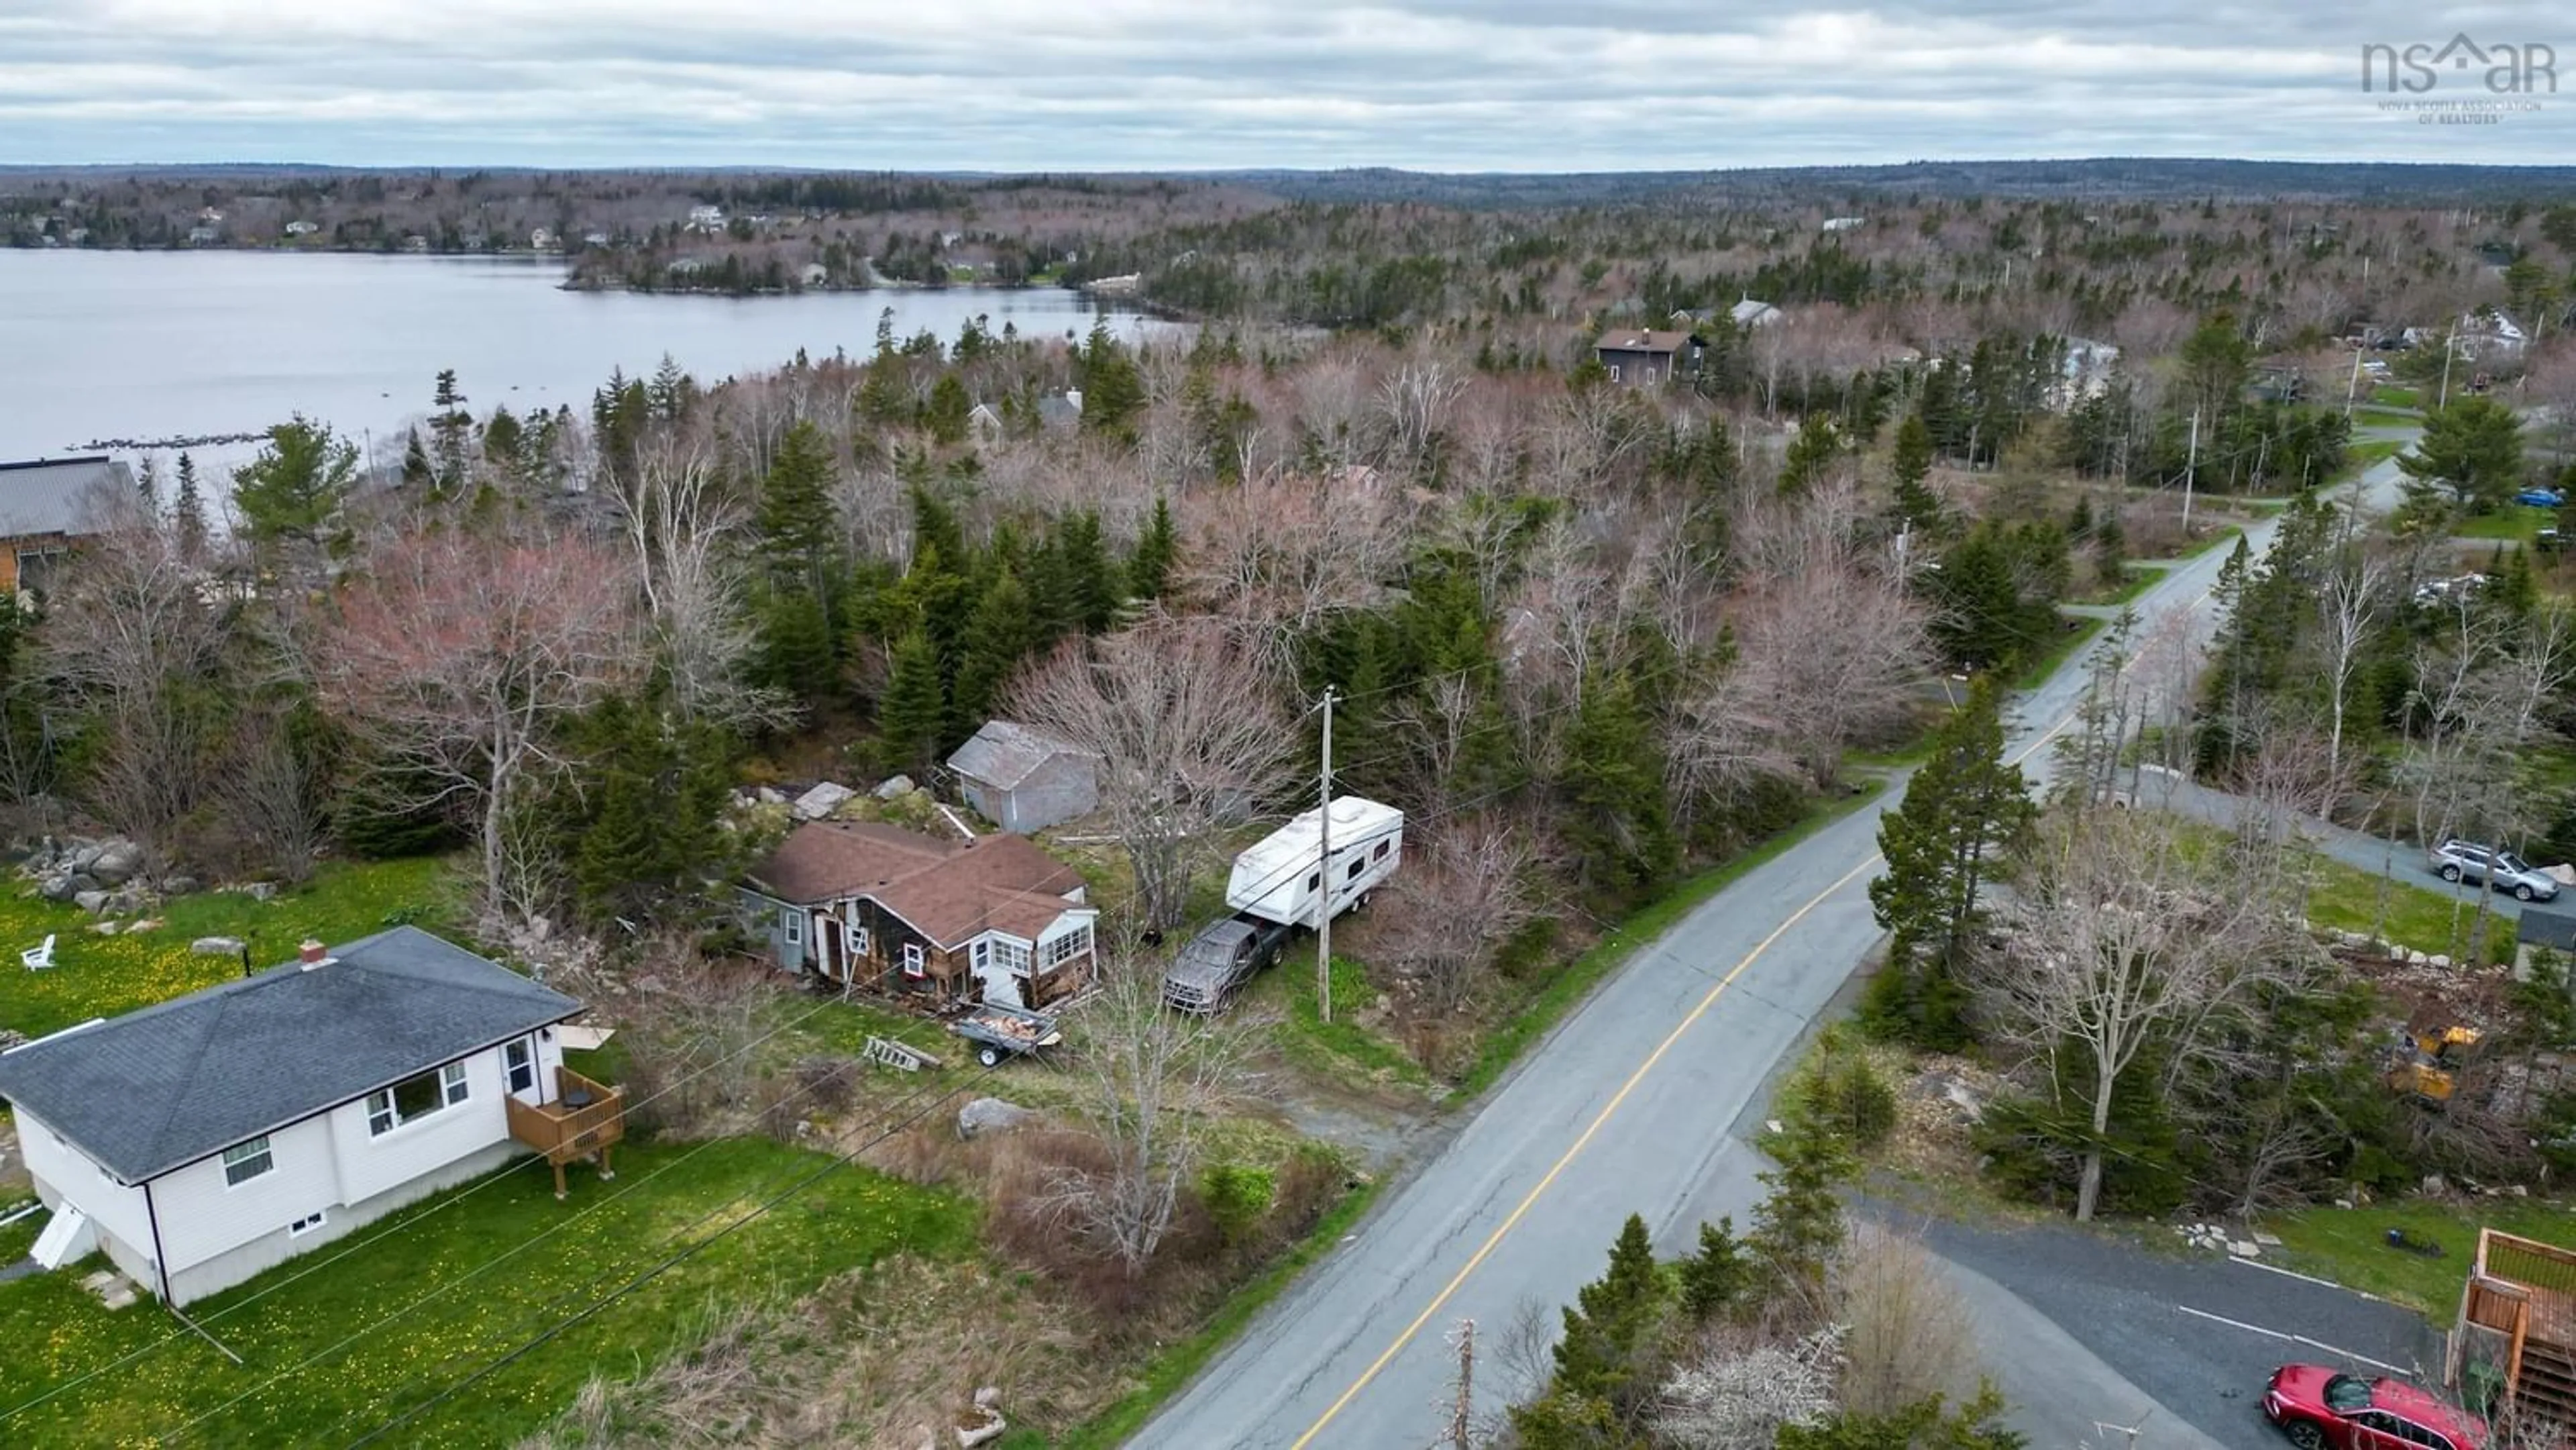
948,890
1633,340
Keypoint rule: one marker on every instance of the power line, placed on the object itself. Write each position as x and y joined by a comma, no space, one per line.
416,1304
406,1225
639,1281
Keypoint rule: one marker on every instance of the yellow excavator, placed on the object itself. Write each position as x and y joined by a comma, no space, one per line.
2426,1064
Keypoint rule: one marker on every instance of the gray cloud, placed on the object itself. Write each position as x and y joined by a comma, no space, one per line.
1443,84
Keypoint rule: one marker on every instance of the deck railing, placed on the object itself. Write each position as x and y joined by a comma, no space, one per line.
584,1118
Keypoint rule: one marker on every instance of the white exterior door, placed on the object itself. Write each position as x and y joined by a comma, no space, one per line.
999,984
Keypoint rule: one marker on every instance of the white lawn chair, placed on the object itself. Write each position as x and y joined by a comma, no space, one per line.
38,958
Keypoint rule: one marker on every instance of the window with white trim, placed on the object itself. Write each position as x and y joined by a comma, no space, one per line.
246,1161
307,1224
981,953
519,1062
1066,947
1013,956
914,963
858,941
415,1098
793,919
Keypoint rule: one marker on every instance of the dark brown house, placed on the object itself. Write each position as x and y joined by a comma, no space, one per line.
863,904
1645,358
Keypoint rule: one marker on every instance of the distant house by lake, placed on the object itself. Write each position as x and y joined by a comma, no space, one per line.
46,507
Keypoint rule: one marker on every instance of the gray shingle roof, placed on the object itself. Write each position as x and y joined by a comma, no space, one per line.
1004,753
158,1089
55,497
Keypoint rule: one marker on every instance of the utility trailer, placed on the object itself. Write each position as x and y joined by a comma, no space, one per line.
999,1031
1276,887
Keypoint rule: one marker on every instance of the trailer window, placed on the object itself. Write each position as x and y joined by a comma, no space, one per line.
1356,868
1315,880
1382,848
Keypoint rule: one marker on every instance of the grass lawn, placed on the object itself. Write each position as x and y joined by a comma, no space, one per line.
2080,631
2512,522
2389,395
2383,418
2361,456
101,976
1340,1047
2349,1245
2136,579
402,1346
2347,898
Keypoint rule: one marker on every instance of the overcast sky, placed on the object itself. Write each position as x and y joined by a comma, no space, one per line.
1484,85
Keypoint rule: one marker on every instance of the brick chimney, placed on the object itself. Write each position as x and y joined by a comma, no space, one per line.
313,954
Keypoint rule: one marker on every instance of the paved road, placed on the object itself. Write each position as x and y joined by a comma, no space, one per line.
1631,1105
2191,1338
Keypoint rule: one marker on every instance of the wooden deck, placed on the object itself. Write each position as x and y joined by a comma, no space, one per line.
583,1119
2518,1313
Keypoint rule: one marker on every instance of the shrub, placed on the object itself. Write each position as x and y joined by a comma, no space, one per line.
1846,1096
1237,1196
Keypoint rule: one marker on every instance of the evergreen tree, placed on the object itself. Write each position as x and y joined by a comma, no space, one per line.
1811,452
1917,506
795,517
1798,1229
451,431
913,714
1112,391
417,471
2473,447
1927,1424
1149,568
1715,1279
1090,581
1613,780
1001,630
289,496
946,414
147,487
188,513
1964,807
1615,1328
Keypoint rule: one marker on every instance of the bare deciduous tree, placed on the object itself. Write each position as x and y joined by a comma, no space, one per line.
683,526
1735,1396
1908,1334
1149,1082
2122,940
1462,895
1185,728
457,660
135,643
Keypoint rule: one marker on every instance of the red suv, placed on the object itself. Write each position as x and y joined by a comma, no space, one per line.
2322,1410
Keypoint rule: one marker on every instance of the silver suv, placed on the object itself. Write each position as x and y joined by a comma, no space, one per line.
2497,870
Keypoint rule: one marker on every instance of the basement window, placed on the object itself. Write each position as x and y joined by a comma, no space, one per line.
307,1224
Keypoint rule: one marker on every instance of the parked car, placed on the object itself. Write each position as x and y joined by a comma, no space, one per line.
2494,869
1220,960
2539,498
2320,1409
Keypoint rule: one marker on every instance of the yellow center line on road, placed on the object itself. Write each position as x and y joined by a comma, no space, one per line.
1494,1240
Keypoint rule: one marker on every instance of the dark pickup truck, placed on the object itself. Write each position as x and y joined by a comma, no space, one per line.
1219,960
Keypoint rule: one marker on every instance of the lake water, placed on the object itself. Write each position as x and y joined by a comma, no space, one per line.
151,345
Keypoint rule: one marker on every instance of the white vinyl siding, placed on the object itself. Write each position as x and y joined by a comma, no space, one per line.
247,1161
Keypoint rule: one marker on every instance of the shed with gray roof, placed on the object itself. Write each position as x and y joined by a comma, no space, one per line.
1024,779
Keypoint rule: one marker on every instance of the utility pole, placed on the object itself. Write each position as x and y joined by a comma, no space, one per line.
1459,1418
2450,349
2191,463
1324,872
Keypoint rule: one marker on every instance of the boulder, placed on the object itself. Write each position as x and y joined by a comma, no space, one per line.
107,928
991,1115
81,859
181,885
261,891
821,801
56,888
2434,1187
90,901
116,863
895,786
218,946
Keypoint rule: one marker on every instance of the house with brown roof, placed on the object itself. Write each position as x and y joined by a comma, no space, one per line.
1648,358
864,904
